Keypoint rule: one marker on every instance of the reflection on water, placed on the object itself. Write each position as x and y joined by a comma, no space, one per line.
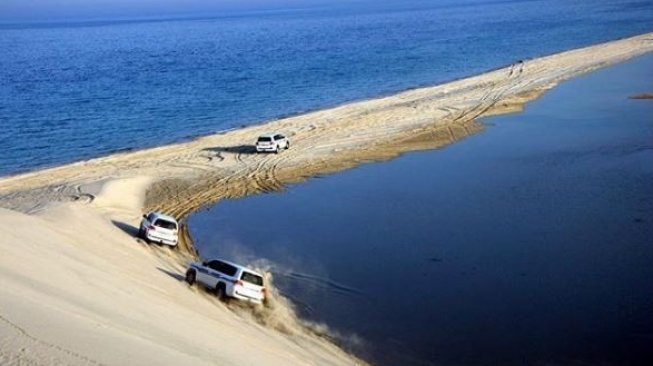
529,243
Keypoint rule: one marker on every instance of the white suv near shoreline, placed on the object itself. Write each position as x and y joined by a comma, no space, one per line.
159,228
272,142
228,280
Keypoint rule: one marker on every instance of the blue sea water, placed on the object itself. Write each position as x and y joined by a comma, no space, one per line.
72,91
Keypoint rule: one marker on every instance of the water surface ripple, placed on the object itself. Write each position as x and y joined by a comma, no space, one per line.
76,91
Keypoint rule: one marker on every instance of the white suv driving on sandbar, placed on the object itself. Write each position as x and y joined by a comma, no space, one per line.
160,228
228,280
272,142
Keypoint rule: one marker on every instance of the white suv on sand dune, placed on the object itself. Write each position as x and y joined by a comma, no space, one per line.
272,142
160,228
229,280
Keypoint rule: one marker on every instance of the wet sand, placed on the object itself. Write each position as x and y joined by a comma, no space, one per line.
181,178
642,96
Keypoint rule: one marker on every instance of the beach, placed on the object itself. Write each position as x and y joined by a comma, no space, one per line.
76,222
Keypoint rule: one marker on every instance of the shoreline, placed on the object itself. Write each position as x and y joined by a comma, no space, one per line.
106,196
461,222
192,138
189,175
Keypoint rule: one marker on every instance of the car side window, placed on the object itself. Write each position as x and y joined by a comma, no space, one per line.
278,137
228,269
223,267
215,265
150,217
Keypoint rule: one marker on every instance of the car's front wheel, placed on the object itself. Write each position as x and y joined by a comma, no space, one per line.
287,145
190,277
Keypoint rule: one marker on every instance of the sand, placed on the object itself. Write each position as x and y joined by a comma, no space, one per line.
78,288
642,96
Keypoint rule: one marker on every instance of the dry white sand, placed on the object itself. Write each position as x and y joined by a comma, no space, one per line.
77,288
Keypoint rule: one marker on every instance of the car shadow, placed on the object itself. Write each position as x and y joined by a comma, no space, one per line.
238,149
174,275
129,229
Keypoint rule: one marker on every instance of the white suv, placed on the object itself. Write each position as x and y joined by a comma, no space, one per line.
228,280
159,228
272,142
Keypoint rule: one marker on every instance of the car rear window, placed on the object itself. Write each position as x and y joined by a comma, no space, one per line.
252,278
165,224
264,139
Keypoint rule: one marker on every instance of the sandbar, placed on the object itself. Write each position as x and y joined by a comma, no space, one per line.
78,288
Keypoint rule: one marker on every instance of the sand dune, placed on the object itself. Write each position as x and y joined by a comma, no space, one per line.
77,288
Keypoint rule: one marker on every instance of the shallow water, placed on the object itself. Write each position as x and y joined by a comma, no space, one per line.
529,243
74,91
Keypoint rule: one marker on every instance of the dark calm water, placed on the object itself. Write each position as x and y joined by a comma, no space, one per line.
75,91
528,244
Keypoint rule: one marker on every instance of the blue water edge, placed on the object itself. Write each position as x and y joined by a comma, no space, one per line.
529,243
73,91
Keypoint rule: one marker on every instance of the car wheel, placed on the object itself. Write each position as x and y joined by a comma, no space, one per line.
221,292
190,277
276,151
287,145
140,232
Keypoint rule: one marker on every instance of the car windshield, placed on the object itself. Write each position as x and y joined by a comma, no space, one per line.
264,139
165,224
252,278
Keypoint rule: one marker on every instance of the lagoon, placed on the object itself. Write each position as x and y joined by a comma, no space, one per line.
526,243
